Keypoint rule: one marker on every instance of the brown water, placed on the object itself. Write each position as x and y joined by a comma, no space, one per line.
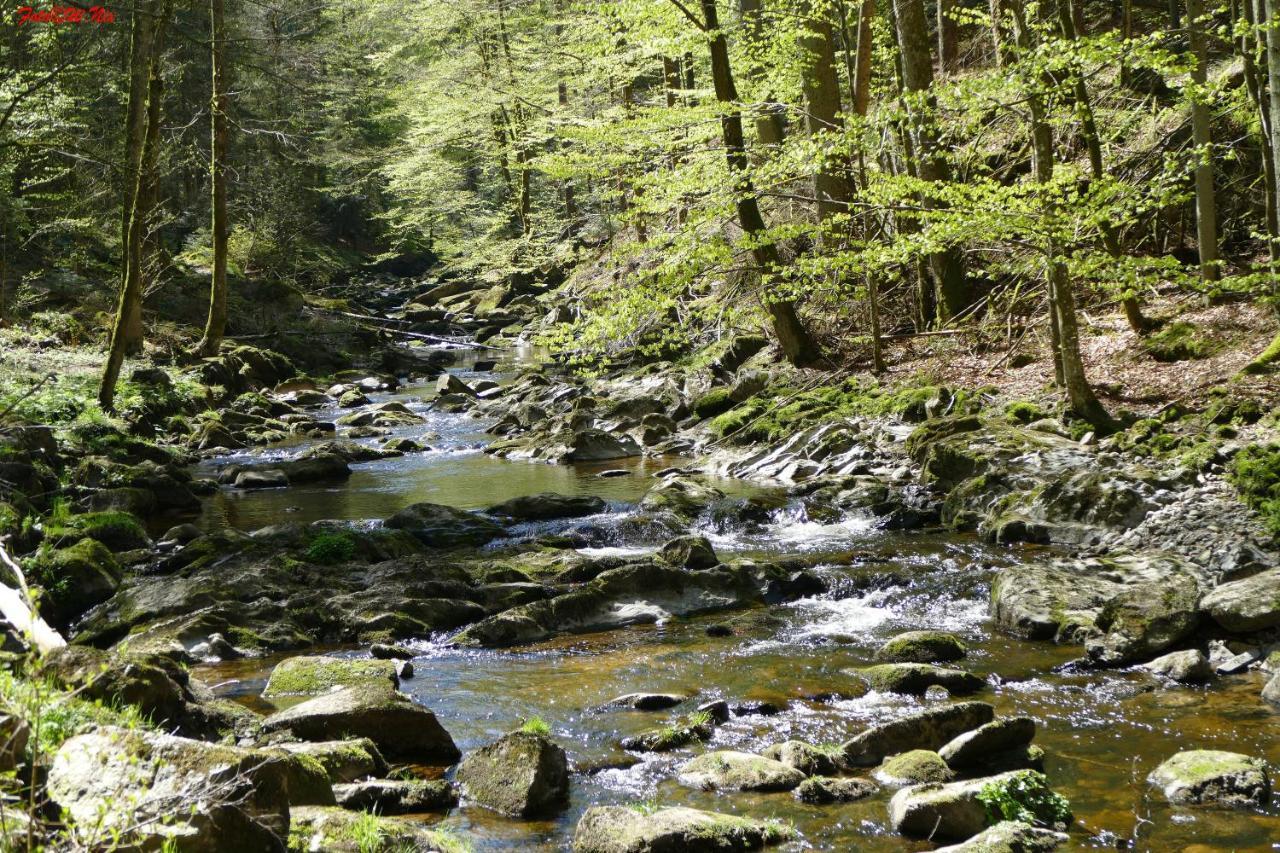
1103,732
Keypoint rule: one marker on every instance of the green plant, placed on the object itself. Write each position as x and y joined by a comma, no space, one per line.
366,832
1179,342
327,549
1255,472
699,718
536,726
1025,796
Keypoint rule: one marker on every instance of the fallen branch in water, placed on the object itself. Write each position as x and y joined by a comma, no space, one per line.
20,612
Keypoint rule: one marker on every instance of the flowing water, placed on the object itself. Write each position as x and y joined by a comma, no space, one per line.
1103,732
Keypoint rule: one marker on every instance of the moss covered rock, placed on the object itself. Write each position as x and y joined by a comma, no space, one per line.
809,760
915,678
820,790
913,768
922,647
928,729
1243,606
119,531
727,770
75,578
317,675
440,526
1214,777
1011,836
397,796
619,829
520,775
342,831
343,760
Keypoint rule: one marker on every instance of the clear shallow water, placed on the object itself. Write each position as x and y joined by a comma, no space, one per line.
1103,732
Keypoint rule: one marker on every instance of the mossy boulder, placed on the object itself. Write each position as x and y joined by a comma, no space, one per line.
619,829
520,775
690,552
203,796
717,401
1214,777
956,811
441,526
1011,836
338,830
119,531
821,790
401,729
809,760
681,495
1144,620
922,647
727,770
343,761
985,744
548,505
75,578
397,796
317,675
915,678
913,768
1247,605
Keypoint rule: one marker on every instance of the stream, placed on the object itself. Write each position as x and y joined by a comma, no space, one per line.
1103,732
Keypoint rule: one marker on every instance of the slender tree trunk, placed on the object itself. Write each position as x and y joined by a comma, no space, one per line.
794,339
1252,50
1175,14
1080,396
948,38
142,57
570,203
142,34
216,325
821,89
770,130
953,296
1270,16
1067,16
1202,134
862,76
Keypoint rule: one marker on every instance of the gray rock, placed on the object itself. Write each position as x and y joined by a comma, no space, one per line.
618,829
318,675
915,767
1271,692
1185,667
952,811
269,478
402,729
396,796
343,760
809,760
1010,836
645,701
1247,605
212,797
976,748
593,445
929,729
338,830
386,651
727,770
1213,777
685,496
444,526
1140,622
548,505
520,775
451,384
820,790
691,552
182,534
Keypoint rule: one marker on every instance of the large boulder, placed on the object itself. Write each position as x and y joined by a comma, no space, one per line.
1190,666
75,578
618,829
984,744
1271,692
522,774
1247,605
317,675
929,729
1214,777
682,495
153,787
727,770
337,830
1010,836
396,796
690,552
916,678
1138,624
955,811
400,728
593,445
548,505
809,760
444,526
343,760
914,767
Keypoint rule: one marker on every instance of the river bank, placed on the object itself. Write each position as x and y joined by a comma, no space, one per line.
715,532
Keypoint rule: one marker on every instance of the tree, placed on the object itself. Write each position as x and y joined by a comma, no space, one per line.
215,326
953,297
1202,134
821,89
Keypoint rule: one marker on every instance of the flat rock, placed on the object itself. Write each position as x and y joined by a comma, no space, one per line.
645,701
916,678
344,760
1011,836
1213,777
1244,606
520,775
444,526
727,770
1186,667
548,505
396,796
929,729
820,790
619,829
922,647
338,830
401,729
317,675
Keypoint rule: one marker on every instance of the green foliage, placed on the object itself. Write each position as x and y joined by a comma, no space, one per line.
1023,412
536,726
1025,797
329,549
1255,472
56,715
715,402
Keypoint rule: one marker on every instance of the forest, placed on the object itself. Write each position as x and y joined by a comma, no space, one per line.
639,425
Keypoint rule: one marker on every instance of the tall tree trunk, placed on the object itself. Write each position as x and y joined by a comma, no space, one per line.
141,59
1202,134
861,79
142,33
798,346
1080,396
1067,17
216,325
770,130
149,176
821,89
953,296
570,202
1270,17
948,38
1252,49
